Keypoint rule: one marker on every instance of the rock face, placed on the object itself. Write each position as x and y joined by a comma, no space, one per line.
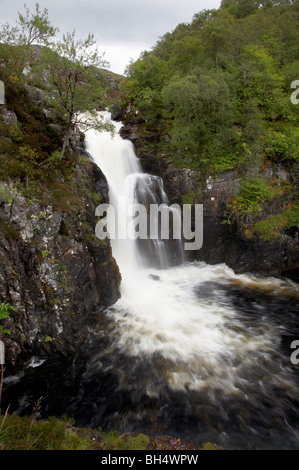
53,269
233,245
222,243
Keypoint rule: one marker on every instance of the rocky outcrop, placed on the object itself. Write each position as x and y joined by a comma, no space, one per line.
234,244
53,269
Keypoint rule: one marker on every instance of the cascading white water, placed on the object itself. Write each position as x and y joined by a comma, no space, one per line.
183,313
127,183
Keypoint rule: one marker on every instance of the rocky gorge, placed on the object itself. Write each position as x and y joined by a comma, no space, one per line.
61,279
128,334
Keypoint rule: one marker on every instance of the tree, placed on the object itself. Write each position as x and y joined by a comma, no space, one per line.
262,80
202,116
75,82
30,29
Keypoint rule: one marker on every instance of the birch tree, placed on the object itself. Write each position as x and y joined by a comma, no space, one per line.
75,82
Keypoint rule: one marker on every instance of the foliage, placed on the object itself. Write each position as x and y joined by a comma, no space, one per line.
5,311
254,192
116,441
67,71
272,227
280,145
15,41
75,87
30,28
27,433
32,433
218,85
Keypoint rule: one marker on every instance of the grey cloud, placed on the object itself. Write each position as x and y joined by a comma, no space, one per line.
129,24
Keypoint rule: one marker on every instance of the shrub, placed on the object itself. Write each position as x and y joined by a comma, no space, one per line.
5,310
280,146
253,192
271,228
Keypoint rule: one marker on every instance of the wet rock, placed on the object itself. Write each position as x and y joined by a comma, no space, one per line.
117,113
154,277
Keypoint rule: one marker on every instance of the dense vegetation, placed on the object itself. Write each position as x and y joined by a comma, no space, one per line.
67,76
221,86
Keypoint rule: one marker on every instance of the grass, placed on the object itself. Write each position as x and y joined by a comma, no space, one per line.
30,433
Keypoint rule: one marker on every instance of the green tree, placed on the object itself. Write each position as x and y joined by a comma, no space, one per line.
75,82
203,116
146,79
262,79
30,29
217,84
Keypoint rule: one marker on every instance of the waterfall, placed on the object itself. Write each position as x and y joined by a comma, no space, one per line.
199,348
129,186
206,342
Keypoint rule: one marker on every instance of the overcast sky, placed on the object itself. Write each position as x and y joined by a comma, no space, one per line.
123,28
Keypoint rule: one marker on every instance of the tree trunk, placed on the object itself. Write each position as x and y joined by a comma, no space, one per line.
67,137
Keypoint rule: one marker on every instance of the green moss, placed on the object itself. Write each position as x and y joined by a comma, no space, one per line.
209,446
189,197
27,433
15,133
254,192
64,198
116,441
